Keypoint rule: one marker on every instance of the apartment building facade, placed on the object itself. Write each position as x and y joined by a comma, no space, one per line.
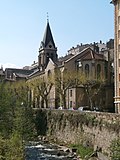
116,54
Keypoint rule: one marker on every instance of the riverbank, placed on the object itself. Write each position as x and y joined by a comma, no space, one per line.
77,152
90,129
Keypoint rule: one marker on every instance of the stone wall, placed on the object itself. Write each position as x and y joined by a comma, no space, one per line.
89,128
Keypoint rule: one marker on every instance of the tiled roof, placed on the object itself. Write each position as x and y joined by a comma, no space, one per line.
18,71
18,75
63,59
21,73
92,55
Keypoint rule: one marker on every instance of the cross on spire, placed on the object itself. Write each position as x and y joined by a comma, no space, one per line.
47,17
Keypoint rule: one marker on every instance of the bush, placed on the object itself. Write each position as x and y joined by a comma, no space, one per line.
12,148
81,150
115,149
15,147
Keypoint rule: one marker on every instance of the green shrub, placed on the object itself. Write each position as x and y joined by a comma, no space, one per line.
81,150
15,147
115,149
12,148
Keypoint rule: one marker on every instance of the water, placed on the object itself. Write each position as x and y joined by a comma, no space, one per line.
42,151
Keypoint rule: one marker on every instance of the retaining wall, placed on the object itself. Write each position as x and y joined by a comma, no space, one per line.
89,128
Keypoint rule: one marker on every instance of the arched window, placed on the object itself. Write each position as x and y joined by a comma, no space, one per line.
47,58
49,73
87,70
98,70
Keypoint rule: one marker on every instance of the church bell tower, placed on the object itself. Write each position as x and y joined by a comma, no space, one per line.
47,49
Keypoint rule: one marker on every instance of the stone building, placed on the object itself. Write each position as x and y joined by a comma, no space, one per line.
86,58
15,74
117,54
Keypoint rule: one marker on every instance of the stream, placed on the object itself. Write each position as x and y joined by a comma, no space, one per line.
46,151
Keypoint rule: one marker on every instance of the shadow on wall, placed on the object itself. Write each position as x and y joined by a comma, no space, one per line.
41,122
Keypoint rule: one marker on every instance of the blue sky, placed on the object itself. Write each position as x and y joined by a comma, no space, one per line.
23,22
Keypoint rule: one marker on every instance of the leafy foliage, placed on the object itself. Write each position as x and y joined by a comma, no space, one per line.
92,87
41,88
16,120
15,148
11,148
115,149
81,150
63,81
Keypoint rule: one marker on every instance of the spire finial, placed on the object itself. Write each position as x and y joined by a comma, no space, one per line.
47,17
1,66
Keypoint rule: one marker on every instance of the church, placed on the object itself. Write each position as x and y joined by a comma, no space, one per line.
88,59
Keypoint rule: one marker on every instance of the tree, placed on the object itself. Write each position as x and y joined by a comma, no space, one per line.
41,88
6,113
16,120
23,115
15,111
92,87
63,81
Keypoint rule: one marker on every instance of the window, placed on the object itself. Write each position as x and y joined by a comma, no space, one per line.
70,104
118,6
49,73
119,62
79,64
119,48
47,58
87,70
119,34
119,20
70,93
98,70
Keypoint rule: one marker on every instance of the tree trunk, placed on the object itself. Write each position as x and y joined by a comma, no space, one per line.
46,102
64,100
91,104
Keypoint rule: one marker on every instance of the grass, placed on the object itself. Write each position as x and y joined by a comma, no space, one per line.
81,150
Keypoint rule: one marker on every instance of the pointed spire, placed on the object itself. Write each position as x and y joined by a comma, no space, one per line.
48,36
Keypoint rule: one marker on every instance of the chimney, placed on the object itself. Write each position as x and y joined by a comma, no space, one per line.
94,45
